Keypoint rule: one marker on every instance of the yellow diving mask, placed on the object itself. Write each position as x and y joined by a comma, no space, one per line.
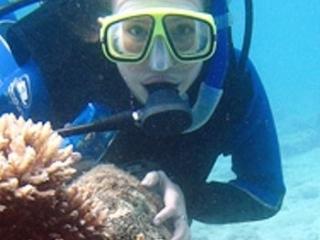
190,36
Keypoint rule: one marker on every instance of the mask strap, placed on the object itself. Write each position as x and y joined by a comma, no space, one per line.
211,89
223,21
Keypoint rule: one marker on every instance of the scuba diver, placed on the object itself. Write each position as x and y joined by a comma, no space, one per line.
175,92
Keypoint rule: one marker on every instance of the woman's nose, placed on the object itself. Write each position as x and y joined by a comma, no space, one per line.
160,58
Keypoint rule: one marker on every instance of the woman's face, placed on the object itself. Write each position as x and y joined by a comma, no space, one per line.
159,66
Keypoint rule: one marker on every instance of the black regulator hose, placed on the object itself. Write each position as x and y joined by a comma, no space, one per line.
117,121
247,37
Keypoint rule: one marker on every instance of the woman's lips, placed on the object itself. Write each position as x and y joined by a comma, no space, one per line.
158,79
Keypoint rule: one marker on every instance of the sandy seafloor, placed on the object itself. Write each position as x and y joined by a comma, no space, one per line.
299,218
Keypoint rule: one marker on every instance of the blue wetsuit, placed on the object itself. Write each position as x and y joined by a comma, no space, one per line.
242,126
76,73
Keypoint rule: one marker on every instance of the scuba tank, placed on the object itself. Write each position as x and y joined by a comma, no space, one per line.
21,86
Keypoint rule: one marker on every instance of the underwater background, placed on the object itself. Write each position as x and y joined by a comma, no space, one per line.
286,52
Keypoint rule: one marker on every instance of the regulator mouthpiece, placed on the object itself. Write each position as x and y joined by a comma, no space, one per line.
165,112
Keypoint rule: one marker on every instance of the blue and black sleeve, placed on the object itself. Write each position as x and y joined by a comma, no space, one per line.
258,189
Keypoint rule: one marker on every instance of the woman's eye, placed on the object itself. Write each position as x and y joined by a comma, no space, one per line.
184,29
138,32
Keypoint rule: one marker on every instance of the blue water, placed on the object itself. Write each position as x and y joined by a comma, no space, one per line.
286,52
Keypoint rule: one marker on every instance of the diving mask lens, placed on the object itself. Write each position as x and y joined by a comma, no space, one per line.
190,36
127,39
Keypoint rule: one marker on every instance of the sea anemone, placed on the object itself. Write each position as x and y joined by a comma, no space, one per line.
129,207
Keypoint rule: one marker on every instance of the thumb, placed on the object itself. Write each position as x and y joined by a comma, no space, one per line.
165,214
150,180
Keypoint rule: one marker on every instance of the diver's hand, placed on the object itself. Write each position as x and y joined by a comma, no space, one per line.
174,202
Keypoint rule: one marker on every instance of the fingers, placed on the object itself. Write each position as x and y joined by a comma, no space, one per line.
182,230
165,214
174,204
76,155
181,227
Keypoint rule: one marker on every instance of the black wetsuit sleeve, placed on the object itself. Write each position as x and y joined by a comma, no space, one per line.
258,189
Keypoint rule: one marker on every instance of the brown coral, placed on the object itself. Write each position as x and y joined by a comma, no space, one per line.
36,202
30,157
